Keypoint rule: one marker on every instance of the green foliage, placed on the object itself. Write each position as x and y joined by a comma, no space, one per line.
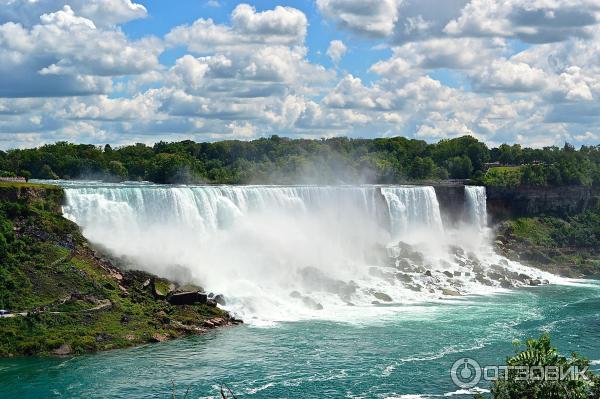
507,177
541,353
283,160
44,260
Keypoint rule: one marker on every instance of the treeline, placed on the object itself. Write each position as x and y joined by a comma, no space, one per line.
335,160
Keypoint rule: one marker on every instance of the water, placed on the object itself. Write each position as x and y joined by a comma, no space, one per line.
277,252
286,253
408,352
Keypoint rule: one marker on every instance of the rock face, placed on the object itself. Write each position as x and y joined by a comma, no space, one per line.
63,350
503,203
188,298
451,198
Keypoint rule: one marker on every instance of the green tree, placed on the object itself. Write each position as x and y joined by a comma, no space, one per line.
540,353
460,167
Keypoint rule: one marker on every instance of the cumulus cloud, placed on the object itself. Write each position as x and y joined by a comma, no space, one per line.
102,12
280,26
370,17
66,54
336,51
502,70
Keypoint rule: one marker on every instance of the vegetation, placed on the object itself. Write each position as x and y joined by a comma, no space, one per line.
64,298
336,160
540,353
569,245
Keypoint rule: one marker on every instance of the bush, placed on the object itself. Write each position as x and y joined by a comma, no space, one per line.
540,353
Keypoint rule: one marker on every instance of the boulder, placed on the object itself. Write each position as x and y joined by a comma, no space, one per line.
295,294
535,283
63,350
428,273
157,337
311,303
382,297
448,274
220,299
188,298
449,292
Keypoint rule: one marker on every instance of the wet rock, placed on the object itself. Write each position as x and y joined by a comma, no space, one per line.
157,337
295,294
457,274
535,283
448,274
211,302
457,250
220,299
415,287
311,303
405,277
382,296
404,265
188,298
63,350
428,273
480,278
522,277
504,283
449,292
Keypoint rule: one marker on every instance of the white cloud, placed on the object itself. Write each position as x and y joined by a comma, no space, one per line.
101,12
370,17
66,54
336,51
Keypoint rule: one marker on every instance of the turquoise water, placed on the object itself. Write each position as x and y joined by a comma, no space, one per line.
406,353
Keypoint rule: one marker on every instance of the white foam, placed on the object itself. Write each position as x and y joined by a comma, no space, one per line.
279,252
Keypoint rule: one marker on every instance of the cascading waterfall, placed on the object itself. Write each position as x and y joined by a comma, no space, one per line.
283,253
475,201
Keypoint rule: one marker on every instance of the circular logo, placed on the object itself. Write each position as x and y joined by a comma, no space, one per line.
465,373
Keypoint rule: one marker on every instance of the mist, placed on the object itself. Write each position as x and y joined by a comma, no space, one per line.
291,252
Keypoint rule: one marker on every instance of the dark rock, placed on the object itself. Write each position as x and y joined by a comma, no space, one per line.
311,303
211,302
187,298
405,277
534,283
447,273
382,296
295,294
220,299
449,292
428,273
457,274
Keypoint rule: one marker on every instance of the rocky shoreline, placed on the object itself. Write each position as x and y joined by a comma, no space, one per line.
62,297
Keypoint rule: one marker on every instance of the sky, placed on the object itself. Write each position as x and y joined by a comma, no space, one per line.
127,71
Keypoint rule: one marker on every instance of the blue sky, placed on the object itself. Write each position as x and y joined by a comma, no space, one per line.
123,71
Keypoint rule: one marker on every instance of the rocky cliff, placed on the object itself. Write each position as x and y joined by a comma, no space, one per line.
505,203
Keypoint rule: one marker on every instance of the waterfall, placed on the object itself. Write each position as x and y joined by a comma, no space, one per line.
290,252
412,206
475,203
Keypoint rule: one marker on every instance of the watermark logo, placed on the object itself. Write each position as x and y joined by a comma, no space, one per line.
466,373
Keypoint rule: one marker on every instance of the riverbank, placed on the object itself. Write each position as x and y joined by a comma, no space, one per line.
568,245
65,298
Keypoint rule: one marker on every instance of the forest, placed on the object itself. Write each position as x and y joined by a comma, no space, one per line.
281,160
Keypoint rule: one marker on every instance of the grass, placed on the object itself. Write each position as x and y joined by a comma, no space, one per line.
44,260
